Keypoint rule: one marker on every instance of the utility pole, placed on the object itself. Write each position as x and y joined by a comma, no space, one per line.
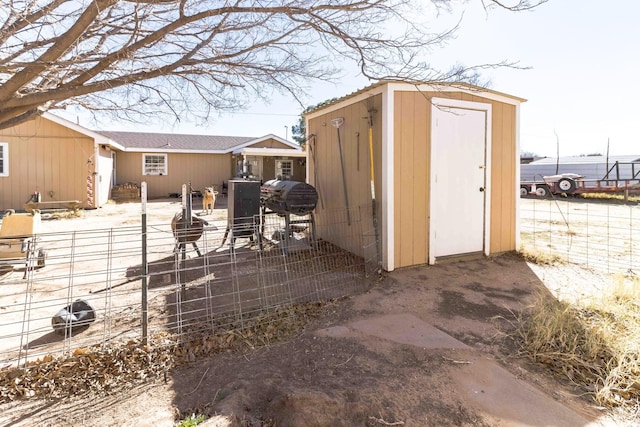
557,152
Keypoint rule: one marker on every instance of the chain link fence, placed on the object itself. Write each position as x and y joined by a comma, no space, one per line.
212,283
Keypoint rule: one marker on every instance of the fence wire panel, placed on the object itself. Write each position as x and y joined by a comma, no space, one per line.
195,285
597,235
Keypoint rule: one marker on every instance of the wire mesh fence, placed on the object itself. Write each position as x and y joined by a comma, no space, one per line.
219,281
596,235
193,286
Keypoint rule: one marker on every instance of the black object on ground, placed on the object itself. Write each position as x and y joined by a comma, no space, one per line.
75,317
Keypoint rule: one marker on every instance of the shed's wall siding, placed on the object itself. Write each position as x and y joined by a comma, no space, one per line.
503,178
46,157
412,115
202,170
412,131
355,153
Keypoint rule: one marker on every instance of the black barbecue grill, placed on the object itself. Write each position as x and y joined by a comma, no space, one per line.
288,197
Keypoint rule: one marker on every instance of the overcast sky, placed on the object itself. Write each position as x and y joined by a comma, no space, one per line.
583,85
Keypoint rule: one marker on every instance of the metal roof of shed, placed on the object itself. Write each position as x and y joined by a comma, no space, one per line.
422,86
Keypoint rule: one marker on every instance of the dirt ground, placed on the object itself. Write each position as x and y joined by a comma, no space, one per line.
424,347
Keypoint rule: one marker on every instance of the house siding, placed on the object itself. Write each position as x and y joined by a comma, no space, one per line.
299,169
202,170
269,168
49,158
269,143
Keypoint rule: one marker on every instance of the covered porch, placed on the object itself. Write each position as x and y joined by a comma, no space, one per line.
264,164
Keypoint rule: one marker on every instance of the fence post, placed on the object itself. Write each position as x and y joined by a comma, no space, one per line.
145,268
630,239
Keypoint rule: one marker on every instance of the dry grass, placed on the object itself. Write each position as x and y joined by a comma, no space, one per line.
62,214
609,196
539,257
595,345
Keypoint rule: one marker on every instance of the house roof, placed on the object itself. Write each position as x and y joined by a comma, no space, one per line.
167,142
186,143
177,143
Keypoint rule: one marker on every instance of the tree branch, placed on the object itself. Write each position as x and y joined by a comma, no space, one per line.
217,53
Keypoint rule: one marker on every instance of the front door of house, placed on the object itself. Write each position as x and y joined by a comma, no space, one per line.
459,176
113,169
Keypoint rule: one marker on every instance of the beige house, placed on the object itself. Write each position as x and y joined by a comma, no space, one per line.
56,158
64,161
166,161
445,162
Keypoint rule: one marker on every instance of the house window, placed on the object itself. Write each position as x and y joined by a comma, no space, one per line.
4,159
154,164
284,168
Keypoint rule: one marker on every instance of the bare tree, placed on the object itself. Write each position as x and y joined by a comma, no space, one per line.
137,57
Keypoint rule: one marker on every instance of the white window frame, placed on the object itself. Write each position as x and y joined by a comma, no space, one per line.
279,167
165,171
4,160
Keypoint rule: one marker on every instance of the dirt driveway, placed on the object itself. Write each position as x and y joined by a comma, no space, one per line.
424,347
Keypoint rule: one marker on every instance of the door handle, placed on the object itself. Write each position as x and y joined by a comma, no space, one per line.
482,189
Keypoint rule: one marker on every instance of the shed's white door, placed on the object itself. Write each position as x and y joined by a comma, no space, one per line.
459,169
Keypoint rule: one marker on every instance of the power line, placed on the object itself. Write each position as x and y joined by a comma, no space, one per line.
264,114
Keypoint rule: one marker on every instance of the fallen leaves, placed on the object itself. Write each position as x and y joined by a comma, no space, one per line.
109,367
93,368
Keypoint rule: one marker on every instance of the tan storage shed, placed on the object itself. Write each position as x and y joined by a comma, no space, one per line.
445,162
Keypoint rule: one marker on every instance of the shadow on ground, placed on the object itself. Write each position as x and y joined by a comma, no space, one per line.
340,373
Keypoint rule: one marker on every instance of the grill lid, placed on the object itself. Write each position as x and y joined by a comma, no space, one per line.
286,197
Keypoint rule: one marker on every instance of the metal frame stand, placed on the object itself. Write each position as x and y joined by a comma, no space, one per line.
288,229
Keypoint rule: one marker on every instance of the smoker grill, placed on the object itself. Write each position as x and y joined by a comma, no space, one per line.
288,197
243,207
